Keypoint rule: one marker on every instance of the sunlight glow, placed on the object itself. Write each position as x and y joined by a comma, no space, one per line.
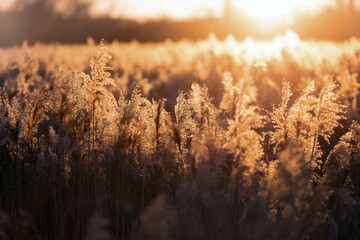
145,9
176,9
6,4
276,9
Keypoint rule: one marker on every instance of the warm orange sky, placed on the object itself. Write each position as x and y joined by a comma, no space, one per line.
180,9
191,8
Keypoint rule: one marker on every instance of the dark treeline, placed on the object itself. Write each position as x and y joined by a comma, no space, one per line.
38,22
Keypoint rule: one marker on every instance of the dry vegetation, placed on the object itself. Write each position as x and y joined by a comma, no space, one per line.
180,140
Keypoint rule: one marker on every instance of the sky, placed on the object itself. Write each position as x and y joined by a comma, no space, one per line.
181,9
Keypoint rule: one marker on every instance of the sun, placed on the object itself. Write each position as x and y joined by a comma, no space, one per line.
270,10
265,9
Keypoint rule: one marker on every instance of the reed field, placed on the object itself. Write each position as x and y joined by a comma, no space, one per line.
181,140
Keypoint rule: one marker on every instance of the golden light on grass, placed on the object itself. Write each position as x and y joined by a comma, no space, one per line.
151,136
